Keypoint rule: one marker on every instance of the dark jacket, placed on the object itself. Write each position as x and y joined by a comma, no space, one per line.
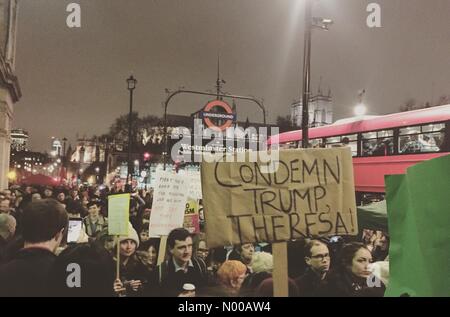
3,245
27,274
136,270
309,283
171,282
344,284
101,224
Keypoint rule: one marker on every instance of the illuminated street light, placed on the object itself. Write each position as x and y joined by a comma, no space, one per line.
12,175
136,162
58,160
360,110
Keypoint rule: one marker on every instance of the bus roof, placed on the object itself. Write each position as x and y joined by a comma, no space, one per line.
371,123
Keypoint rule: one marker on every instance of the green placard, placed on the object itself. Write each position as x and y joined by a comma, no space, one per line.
118,214
419,223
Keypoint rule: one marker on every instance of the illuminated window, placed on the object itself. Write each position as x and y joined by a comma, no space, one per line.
421,139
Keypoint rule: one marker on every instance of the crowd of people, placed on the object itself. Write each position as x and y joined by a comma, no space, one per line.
36,260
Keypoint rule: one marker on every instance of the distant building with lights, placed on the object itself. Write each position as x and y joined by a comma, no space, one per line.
320,109
24,162
88,151
56,147
19,140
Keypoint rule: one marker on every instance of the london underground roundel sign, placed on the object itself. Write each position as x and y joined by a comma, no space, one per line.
228,116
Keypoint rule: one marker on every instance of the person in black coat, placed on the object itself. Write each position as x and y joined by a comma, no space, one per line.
27,273
317,257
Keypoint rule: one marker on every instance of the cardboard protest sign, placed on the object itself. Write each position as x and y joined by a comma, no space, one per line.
418,215
118,214
169,203
191,216
311,193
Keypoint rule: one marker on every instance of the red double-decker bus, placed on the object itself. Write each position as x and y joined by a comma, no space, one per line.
382,145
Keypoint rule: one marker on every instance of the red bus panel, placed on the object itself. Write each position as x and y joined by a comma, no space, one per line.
369,172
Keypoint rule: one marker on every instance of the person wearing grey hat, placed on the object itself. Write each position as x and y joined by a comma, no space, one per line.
135,278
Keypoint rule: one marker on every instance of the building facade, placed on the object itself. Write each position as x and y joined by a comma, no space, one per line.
320,109
19,140
9,86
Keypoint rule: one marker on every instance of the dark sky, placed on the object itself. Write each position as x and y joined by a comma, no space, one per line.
73,80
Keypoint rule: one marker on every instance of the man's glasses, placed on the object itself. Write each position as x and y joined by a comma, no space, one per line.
320,257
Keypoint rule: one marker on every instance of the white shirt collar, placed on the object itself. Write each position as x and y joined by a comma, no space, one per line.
178,268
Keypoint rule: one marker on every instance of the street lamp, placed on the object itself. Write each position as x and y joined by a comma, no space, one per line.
360,108
131,86
310,23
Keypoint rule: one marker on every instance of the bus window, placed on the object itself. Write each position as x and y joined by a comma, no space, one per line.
288,145
344,140
409,130
433,127
378,143
334,139
428,138
316,143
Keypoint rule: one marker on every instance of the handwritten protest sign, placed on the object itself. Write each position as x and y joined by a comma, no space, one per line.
311,193
195,183
191,216
169,203
118,214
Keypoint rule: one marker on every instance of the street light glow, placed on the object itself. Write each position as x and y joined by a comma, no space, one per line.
360,109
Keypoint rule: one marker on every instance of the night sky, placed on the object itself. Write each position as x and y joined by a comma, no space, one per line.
74,80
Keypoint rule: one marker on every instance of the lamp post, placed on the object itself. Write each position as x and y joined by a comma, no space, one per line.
131,85
64,147
310,23
306,74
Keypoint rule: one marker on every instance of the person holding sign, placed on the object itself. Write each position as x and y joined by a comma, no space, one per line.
181,267
134,276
